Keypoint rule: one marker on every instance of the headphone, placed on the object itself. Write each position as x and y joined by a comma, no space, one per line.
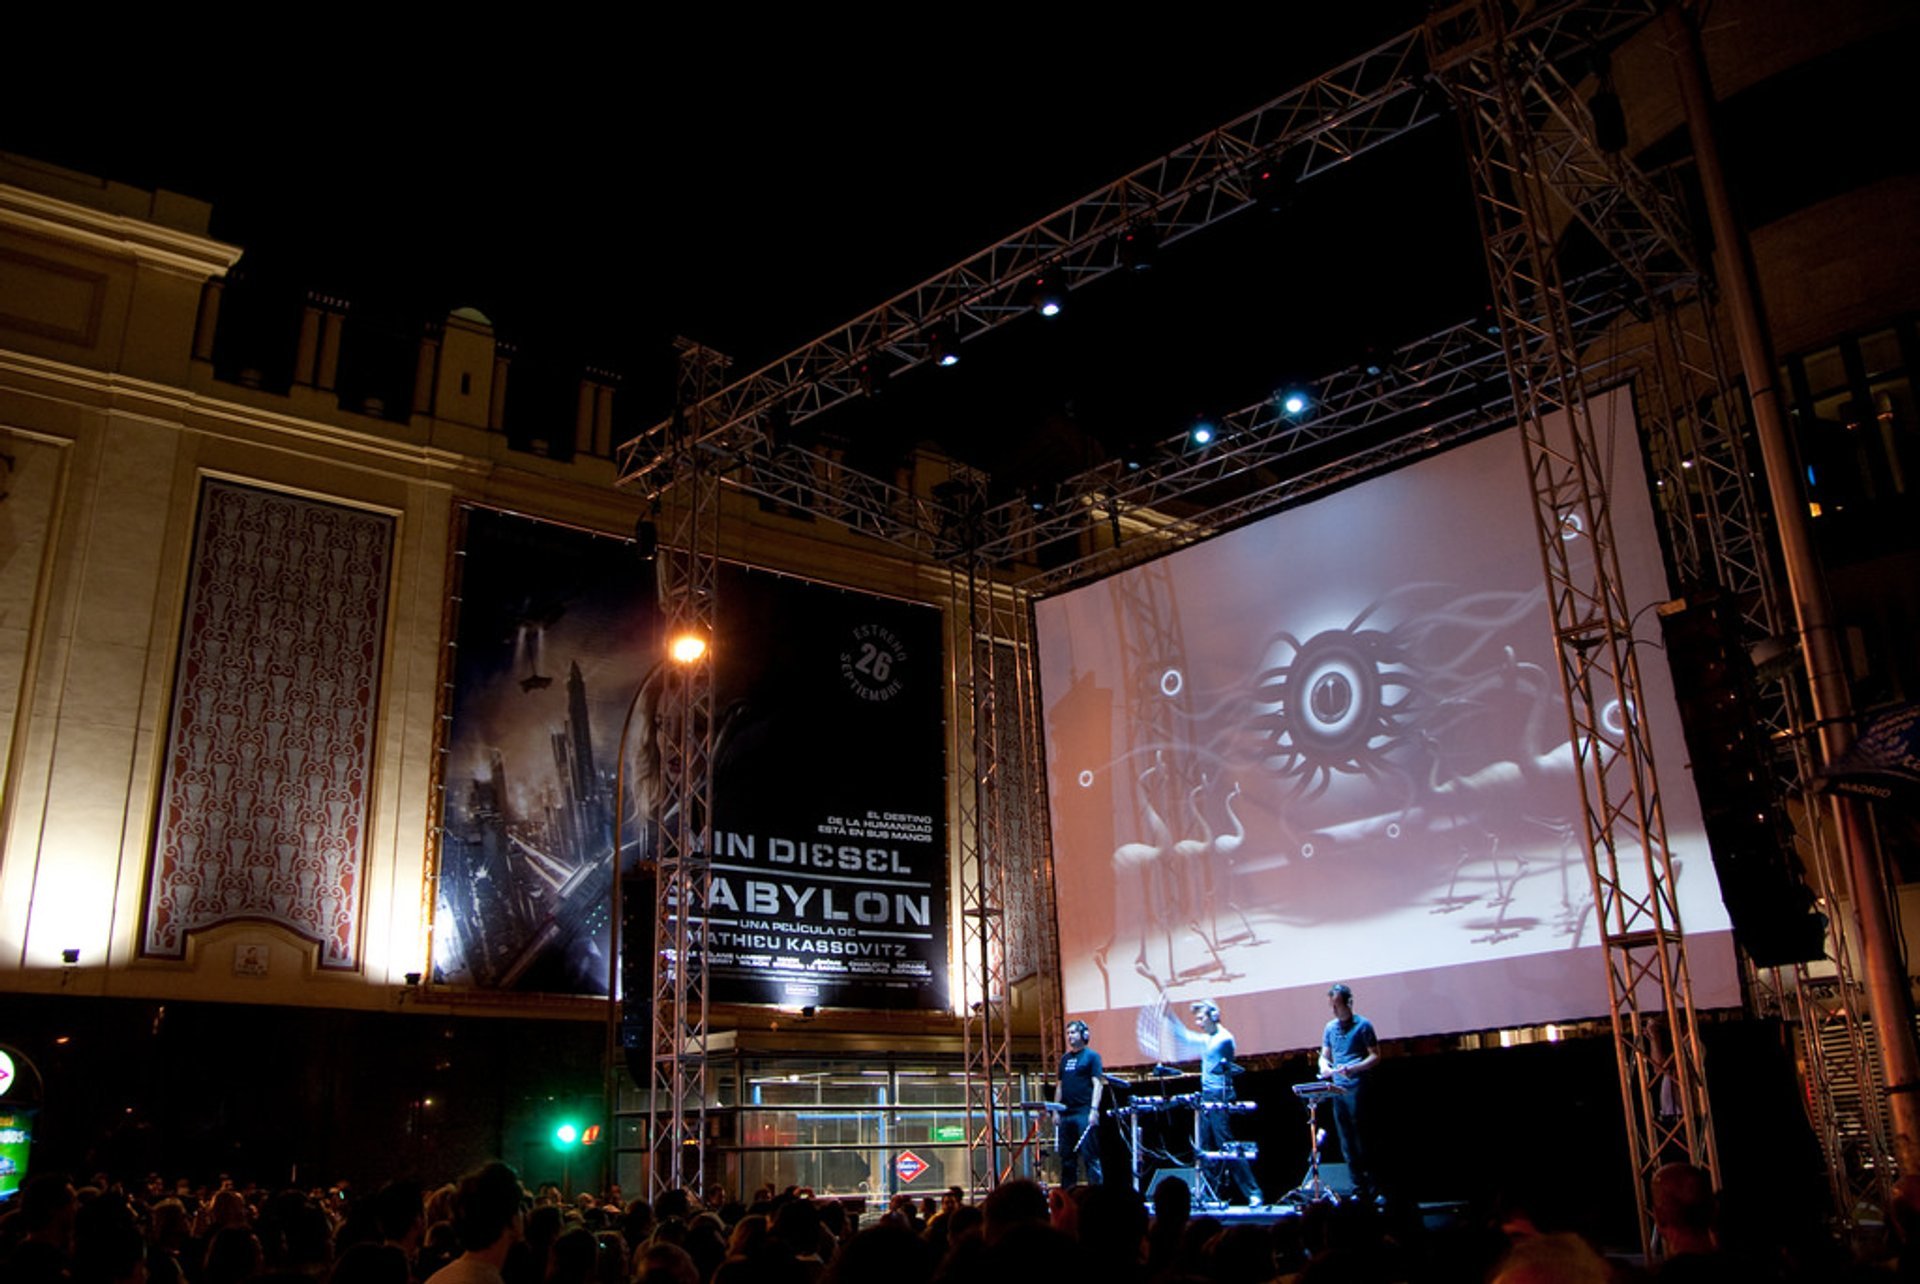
1086,1035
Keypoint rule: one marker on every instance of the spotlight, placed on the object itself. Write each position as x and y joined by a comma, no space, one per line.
1294,402
687,648
1272,189
1138,244
1202,432
646,539
1049,294
941,346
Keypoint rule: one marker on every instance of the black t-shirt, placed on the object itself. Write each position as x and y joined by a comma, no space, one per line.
1078,1070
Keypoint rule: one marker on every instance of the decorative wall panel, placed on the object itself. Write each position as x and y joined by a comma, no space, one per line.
264,801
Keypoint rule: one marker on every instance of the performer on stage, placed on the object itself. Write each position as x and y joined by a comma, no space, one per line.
1216,1087
1348,1050
1078,1091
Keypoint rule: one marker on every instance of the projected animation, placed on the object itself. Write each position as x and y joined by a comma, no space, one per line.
1430,737
1335,744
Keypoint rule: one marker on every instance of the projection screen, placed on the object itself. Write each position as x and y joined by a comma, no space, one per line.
1332,746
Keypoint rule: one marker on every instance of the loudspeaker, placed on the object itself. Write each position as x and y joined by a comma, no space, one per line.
1186,1175
1337,1178
1762,880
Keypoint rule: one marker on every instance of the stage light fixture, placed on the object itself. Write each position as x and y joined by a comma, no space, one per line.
70,957
1049,294
941,346
1202,433
646,539
1138,244
1294,402
687,648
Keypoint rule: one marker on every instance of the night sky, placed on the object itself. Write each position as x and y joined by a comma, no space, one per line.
598,187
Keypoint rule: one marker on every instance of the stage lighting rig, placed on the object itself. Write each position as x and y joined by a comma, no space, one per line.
1137,245
1049,293
1203,432
1293,402
942,348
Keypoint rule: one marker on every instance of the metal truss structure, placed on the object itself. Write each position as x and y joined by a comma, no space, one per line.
985,623
688,579
1519,135
1697,446
1646,315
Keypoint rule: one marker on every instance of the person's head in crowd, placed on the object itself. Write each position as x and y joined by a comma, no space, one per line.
885,1253
440,1204
487,1211
706,1243
1063,1212
1029,1250
610,1258
673,1203
665,1264
233,1255
570,1259
399,1210
967,1217
1684,1209
750,1237
47,1210
797,1226
1014,1203
1552,1259
371,1263
172,1227
1172,1201
1113,1226
637,1226
108,1247
228,1207
440,1245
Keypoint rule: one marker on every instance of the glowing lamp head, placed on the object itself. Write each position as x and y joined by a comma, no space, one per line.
1294,402
1202,434
687,648
566,1134
1050,308
949,358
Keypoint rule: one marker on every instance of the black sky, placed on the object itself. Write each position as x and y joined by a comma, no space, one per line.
751,180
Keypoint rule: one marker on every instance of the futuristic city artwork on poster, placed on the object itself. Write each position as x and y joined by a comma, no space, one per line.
829,871
1333,746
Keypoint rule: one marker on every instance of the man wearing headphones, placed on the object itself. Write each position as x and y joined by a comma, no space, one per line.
1078,1093
1216,1088
1348,1050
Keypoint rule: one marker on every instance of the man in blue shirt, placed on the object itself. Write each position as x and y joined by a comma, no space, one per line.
1348,1050
1216,1094
1079,1095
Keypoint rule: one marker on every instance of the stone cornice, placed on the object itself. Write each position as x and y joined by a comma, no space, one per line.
115,234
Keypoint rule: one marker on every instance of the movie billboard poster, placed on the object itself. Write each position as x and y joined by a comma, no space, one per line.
829,868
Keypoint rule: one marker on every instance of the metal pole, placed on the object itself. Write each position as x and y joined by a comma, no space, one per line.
1888,994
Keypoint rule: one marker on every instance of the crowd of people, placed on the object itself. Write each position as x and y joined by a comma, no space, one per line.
487,1228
